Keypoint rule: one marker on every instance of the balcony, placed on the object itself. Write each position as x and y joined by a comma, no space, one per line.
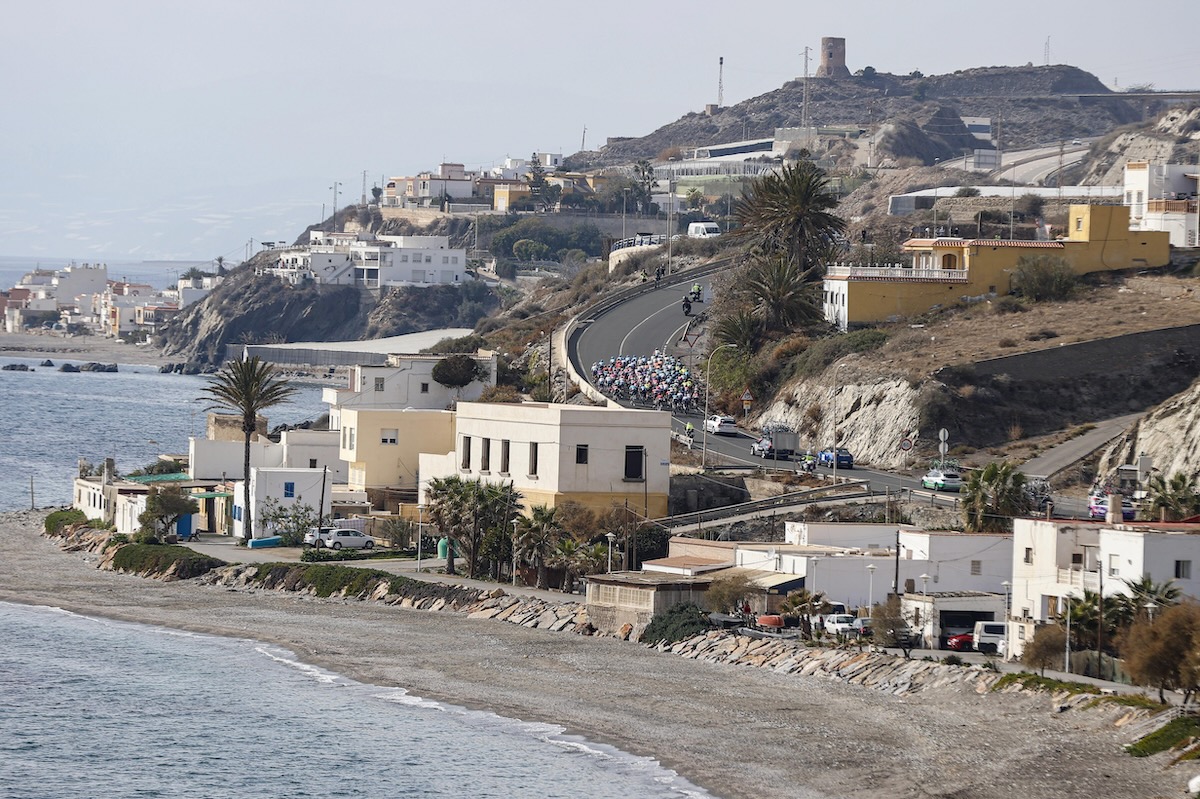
896,273
1077,578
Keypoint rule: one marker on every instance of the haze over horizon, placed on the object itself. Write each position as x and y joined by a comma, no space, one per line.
144,130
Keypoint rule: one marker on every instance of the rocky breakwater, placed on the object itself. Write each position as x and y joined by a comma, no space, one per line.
877,670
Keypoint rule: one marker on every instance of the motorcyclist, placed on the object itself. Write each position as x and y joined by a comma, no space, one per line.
689,430
696,292
687,306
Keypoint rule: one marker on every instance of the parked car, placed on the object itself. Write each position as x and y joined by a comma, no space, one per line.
861,628
839,623
314,537
942,480
1098,508
844,459
343,538
721,425
963,642
989,636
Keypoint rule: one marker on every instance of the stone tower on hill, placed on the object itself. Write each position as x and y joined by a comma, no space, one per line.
833,58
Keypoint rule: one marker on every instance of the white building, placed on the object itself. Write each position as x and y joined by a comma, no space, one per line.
1054,559
288,487
372,263
406,382
311,449
598,457
1164,197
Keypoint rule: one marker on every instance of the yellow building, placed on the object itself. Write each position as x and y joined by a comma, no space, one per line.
382,446
946,270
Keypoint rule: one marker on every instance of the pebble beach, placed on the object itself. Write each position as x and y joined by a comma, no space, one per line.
736,731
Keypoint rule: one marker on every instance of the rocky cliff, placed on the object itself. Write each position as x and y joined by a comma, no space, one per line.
1170,434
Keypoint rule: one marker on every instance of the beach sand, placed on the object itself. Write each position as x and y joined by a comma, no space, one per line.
738,732
58,347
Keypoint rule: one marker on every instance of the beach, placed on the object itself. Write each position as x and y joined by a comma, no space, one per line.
738,732
56,347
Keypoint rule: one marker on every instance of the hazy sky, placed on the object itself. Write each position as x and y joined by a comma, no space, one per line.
156,129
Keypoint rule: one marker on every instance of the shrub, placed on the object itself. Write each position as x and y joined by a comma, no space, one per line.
1042,278
1172,734
952,660
1008,304
1041,335
157,559
59,519
679,623
967,191
1007,342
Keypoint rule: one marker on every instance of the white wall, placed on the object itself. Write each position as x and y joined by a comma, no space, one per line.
841,534
270,484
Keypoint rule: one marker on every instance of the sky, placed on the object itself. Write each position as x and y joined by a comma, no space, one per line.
162,129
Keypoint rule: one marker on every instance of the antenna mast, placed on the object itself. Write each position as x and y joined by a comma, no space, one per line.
1046,52
720,81
583,140
804,121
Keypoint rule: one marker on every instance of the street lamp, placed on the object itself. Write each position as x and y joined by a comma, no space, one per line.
1067,647
1007,615
1150,607
707,383
624,201
514,563
420,533
871,588
924,601
611,536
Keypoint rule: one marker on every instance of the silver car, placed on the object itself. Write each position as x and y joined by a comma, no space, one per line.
342,538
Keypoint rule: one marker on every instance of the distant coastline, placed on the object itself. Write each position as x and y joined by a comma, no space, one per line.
55,346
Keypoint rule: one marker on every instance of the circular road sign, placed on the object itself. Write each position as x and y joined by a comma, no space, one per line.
906,444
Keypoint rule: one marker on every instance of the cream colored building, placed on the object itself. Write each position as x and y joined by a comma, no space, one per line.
383,446
945,271
598,457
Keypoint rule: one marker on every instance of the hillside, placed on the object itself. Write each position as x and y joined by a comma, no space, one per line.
1027,104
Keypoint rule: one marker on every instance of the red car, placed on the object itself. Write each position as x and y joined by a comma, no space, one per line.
961,643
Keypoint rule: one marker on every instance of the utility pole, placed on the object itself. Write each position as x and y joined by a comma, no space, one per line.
583,140
804,120
364,192
720,81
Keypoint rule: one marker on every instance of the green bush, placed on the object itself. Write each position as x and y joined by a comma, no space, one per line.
1170,735
59,519
952,660
824,352
1043,278
155,559
679,623
1031,681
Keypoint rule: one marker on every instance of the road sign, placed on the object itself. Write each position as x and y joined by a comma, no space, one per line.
906,444
943,434
942,449
747,396
745,405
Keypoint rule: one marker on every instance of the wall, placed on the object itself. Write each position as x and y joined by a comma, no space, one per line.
373,464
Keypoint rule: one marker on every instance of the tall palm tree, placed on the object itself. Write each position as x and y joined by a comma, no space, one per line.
448,500
783,294
1174,498
248,387
1145,598
992,496
789,213
537,536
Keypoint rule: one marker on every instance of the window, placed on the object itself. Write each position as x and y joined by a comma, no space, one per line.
454,260
379,384
504,447
445,259
1114,565
1077,559
581,453
485,455
404,258
1079,223
388,435
350,438
976,568
1029,554
634,457
1183,570
424,388
428,259
289,490
312,463
533,459
466,453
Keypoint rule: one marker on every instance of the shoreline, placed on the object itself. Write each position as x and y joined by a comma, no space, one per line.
78,348
736,732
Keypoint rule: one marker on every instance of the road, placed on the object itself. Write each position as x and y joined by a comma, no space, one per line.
1032,167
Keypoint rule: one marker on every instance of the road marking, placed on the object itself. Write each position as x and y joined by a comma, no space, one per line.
633,329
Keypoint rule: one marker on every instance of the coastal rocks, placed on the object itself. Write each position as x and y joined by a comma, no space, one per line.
91,366
875,670
188,368
15,367
47,363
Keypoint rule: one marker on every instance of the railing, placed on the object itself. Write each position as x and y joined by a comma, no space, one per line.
640,241
1171,206
1076,578
895,272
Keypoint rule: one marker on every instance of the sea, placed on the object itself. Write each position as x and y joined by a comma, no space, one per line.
104,709
55,419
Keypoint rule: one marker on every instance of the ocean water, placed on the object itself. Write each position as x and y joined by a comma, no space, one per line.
99,709
52,419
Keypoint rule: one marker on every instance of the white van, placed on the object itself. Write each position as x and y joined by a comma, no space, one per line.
703,230
989,637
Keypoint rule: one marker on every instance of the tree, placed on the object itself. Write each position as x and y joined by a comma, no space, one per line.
537,537
789,213
376,193
1174,498
1047,648
643,172
992,496
803,605
289,522
164,507
1145,596
248,387
891,626
458,371
729,593
537,182
695,197
742,328
1165,653
783,296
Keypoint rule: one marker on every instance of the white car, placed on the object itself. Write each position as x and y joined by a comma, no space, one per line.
339,538
942,480
721,426
839,623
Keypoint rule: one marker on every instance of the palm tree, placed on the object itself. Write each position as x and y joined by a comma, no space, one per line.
1174,498
449,499
805,604
537,536
992,496
742,328
783,294
788,213
1145,596
248,387
644,173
